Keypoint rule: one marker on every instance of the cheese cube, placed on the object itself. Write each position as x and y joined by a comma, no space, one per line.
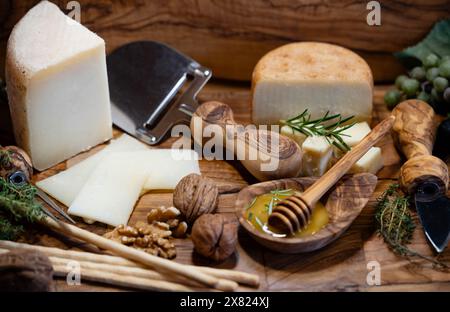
295,135
371,162
317,153
57,86
316,76
353,135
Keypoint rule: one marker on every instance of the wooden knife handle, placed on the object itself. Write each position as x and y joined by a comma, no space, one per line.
414,133
259,153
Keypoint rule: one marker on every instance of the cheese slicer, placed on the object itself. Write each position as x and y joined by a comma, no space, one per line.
152,88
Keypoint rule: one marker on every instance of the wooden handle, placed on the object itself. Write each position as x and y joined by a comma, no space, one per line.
313,194
258,153
415,131
414,128
140,256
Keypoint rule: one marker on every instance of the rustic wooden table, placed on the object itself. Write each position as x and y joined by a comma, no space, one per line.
341,266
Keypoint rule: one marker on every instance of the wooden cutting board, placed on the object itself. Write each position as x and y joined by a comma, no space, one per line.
341,266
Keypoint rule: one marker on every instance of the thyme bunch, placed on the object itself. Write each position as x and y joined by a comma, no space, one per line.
18,205
396,224
332,132
5,158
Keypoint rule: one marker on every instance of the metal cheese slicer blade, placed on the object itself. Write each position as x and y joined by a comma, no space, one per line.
152,88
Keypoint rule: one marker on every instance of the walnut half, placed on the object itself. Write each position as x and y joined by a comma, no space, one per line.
215,236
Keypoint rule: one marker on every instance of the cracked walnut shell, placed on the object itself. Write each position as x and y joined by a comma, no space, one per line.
215,236
194,196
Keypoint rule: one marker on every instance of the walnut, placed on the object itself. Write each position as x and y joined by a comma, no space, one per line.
180,231
152,238
194,196
169,213
153,215
14,159
214,236
162,214
25,270
127,231
173,223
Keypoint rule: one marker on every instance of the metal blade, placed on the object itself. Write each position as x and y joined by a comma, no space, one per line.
146,81
433,209
53,205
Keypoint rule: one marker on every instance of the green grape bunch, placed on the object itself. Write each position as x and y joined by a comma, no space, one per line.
429,83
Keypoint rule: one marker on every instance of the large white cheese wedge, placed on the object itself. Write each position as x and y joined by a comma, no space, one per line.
111,191
66,185
57,86
316,76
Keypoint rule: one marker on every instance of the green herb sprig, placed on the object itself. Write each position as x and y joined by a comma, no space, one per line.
396,224
332,132
18,205
5,158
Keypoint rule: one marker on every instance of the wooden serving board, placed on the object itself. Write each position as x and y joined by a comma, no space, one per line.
341,266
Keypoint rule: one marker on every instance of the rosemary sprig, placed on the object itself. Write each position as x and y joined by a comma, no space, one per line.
396,224
332,132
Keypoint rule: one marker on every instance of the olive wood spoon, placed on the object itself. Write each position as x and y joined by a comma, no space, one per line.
415,131
294,213
286,155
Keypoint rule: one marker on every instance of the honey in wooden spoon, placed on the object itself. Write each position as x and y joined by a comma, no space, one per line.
258,212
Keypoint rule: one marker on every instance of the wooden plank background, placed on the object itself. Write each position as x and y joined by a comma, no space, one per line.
230,36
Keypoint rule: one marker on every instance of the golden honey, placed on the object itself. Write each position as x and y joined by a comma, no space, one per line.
258,212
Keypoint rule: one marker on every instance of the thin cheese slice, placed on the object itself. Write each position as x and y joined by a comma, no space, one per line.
57,86
164,168
66,185
111,191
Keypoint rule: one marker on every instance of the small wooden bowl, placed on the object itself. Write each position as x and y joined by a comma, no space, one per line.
344,202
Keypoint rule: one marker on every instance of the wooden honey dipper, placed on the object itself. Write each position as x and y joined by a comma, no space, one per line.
294,213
